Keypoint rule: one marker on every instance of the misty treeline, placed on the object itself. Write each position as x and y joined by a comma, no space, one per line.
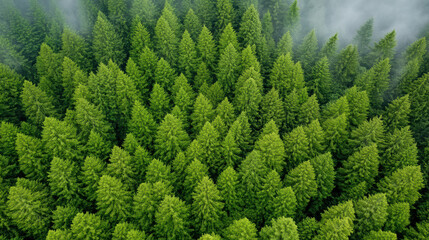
198,119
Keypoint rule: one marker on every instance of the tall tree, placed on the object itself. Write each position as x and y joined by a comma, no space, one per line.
89,225
192,24
272,108
228,69
283,228
371,213
207,49
320,80
164,75
358,103
92,170
33,160
63,181
172,219
397,113
60,139
302,179
346,67
286,75
248,99
159,102
203,112
166,40
307,51
250,32
296,146
139,39
206,11
242,229
385,48
293,19
228,36
225,14
227,183
121,167
187,56
363,37
11,83
142,125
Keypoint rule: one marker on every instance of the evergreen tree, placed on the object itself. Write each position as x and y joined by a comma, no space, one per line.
363,37
286,75
320,80
208,139
343,211
385,235
207,206
203,112
92,170
228,69
90,119
248,60
60,139
271,185
142,125
88,225
225,14
302,179
309,111
139,39
398,217
240,230
10,102
146,11
336,108
227,37
368,132
419,107
293,19
296,146
227,183
285,45
346,67
403,185
272,151
371,213
336,228
226,111
375,82
76,48
282,228
121,230
385,48
97,146
272,108
231,153
248,100
400,151
159,102
358,103
72,76
206,11
146,201
194,173
107,43
192,24
187,56
63,180
62,217
207,49
171,18
250,32
210,237
307,228
330,48
36,103
241,132
316,138
164,75
59,234
171,219
307,51
113,199
147,63
284,204
397,113
336,134
323,166
121,167
136,76
249,73
166,40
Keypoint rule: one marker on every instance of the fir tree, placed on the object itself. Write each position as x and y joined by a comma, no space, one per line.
397,113
330,48
206,11
147,63
146,11
36,103
107,44
194,173
398,217
271,185
171,219
336,228
316,138
286,75
272,108
113,199
346,67
192,24
248,100
187,56
336,134
225,14
240,230
293,19
385,48
377,235
88,225
307,51
60,139
142,125
272,151
342,210
249,73
121,167
284,204
159,102
203,112
358,103
307,228
368,132
139,39
208,139
227,183
207,49
241,133
10,102
302,179
249,59
250,32
171,18
320,80
228,69
323,166
92,170
296,146
164,75
207,207
89,118
63,180
166,40
363,37
227,37
121,230
231,153
371,213
283,228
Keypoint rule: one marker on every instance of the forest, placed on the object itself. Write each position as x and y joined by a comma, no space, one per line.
209,120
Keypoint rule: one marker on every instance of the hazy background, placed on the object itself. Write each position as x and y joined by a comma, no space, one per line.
407,17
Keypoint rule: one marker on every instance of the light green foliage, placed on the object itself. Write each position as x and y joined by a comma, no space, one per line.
62,217
398,217
97,146
62,178
142,124
92,170
121,230
381,235
323,166
225,14
285,75
397,113
88,225
227,183
284,204
193,175
192,24
302,179
242,229
320,80
113,199
371,213
136,76
159,102
203,112
60,139
316,138
76,48
58,234
272,108
157,171
139,38
145,10
90,119
121,167
336,134
207,48
207,206
293,18
164,75
285,45
209,142
309,111
344,211
187,55
248,60
36,104
335,229
248,99
336,108
296,147
33,161
210,237
228,68
166,40
11,83
172,219
358,103
330,48
385,48
307,51
307,228
282,228
272,151
250,32
227,37
271,185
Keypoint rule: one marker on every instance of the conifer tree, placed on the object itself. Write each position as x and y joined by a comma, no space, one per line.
171,18
136,76
203,112
272,151
92,170
230,152
385,48
27,207
283,228
241,132
225,14
208,139
316,138
117,13
147,63
62,178
33,161
377,235
336,108
309,111
142,125
166,40
146,11
403,185
220,127
207,207
206,11
400,151
302,179
250,32
37,105
227,37
249,59
286,75
336,134
70,76
375,82
249,73
330,48
207,49
192,24
226,111
307,51
320,80
272,108
371,213
397,113
335,228
210,237
240,230
159,102
346,67
76,48
172,219
398,217
89,118
139,39
368,132
187,56
121,230
227,183
363,37
107,43
60,139
293,19
268,129
296,146
228,69
284,204
10,103
342,210
121,167
146,201
358,103
164,75
194,173
248,100
323,166
89,225
158,171
270,187
59,234
113,199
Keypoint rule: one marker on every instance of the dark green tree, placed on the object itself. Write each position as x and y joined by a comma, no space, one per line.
166,40
227,183
142,125
77,49
203,112
10,102
60,139
367,133
89,118
307,51
398,217
284,204
363,37
92,170
335,228
164,75
187,56
293,19
330,48
62,178
397,113
225,14
250,32
146,11
336,134
36,104
320,80
346,67
206,49
192,24
159,102
323,166
228,69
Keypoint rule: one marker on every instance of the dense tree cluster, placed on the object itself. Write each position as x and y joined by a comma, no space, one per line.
207,119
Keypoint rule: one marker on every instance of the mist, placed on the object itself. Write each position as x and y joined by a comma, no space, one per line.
345,17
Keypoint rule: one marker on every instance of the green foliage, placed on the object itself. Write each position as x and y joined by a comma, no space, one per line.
385,48
307,51
363,37
92,170
36,104
320,80
227,37
248,99
285,45
316,138
323,166
358,103
192,24
88,225
62,178
166,40
240,230
139,38
121,167
11,83
284,204
302,179
159,102
74,47
206,48
203,112
346,67
228,68
286,75
336,228
227,183
60,139
371,213
398,217
296,147
172,219
187,55
272,108
282,228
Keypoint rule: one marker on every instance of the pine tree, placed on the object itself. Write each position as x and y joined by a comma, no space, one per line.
230,152
400,151
207,207
139,39
249,73
206,11
403,185
268,129
346,67
320,80
242,229
330,48
272,151
272,108
228,69
89,225
207,49
307,51
241,132
358,103
11,83
76,48
36,103
27,207
307,228
192,24
107,43
296,146
60,139
377,235
147,63
227,37
397,113
146,201
293,19
159,102
363,37
225,14
371,213
385,48
375,82
62,217
249,59
164,75
398,217
121,167
250,32
210,237
171,18
62,178
283,228
248,100
309,111
302,179
316,138
187,56
59,234
113,199
227,183
286,75
203,112
92,170
157,171
323,166
209,142
285,45
270,187
194,173
142,125
72,76
414,58
336,228
336,108
368,132
166,40
226,111
336,134
342,210
419,107
171,219
146,11
284,204
89,118
121,230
